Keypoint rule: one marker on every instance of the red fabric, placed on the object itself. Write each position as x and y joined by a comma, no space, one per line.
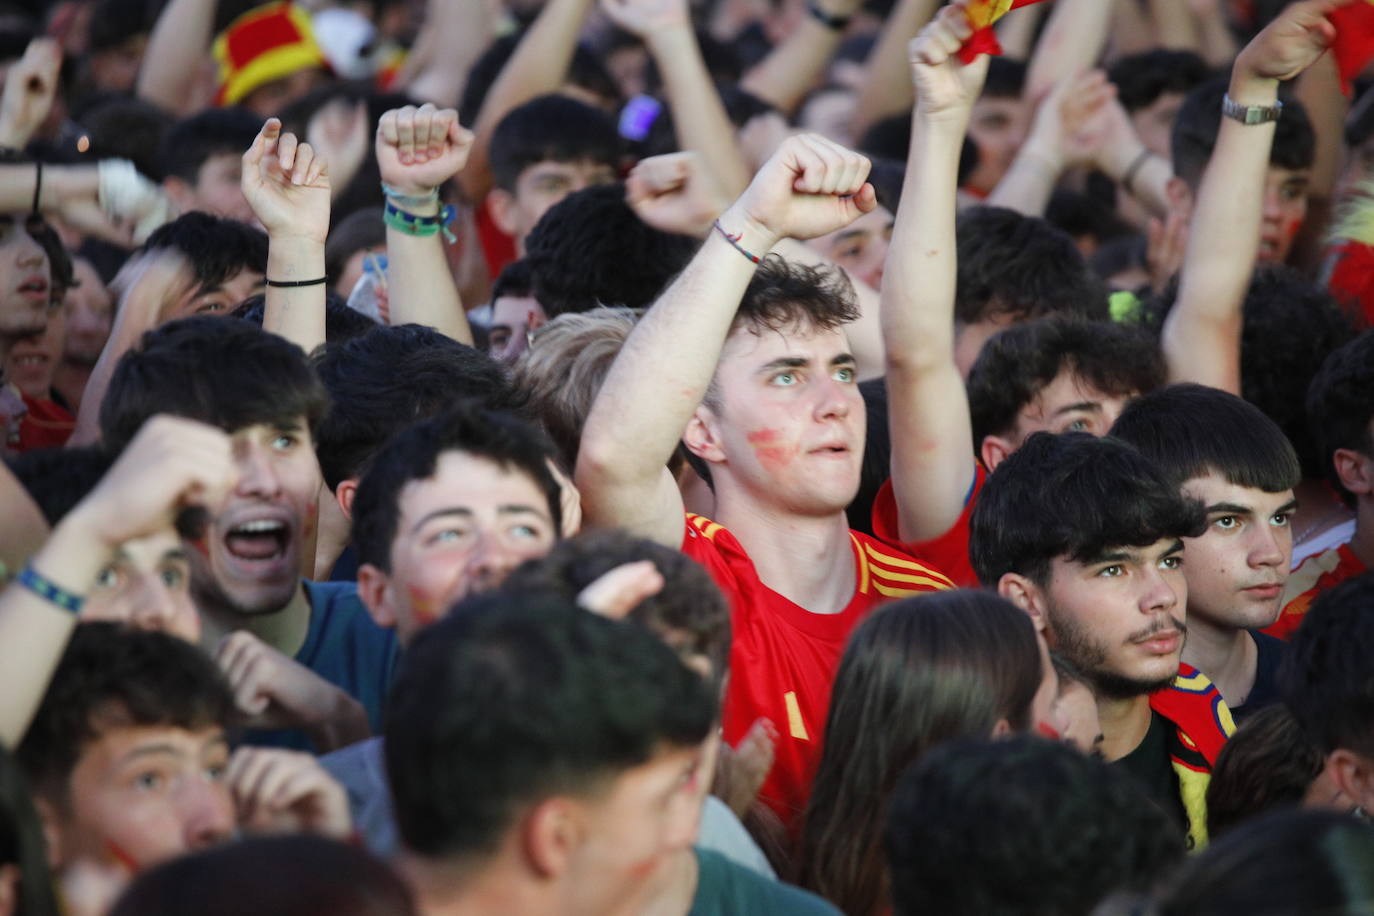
497,247
1352,278
780,649
1347,566
271,28
949,551
1354,45
1195,707
984,40
46,425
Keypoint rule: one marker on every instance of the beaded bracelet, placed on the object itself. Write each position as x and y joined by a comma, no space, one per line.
410,200
734,241
48,590
423,226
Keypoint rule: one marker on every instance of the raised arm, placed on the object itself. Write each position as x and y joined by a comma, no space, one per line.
418,149
928,414
1201,337
810,187
1072,42
176,52
538,66
790,71
665,27
886,89
287,186
171,464
453,37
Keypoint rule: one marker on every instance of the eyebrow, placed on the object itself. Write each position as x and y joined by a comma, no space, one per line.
462,512
1175,547
152,750
176,553
1081,405
849,234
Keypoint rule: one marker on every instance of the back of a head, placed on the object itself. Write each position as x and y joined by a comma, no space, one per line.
559,376
1340,406
916,673
217,248
289,875
341,323
212,132
229,374
59,478
1010,264
688,612
1073,496
1291,861
1141,78
1325,677
1069,831
413,453
551,128
513,699
113,676
1199,120
1269,763
388,378
1192,431
591,249
1016,364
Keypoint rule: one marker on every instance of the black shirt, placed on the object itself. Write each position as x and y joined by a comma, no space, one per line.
1266,689
1149,763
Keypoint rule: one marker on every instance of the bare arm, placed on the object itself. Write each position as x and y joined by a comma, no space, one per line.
886,89
790,71
1201,337
455,35
1071,43
25,529
1175,25
928,414
538,66
418,149
809,187
176,51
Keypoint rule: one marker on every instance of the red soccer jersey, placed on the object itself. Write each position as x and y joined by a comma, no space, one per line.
783,657
1316,574
949,551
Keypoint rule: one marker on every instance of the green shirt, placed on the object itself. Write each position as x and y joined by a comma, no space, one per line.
725,888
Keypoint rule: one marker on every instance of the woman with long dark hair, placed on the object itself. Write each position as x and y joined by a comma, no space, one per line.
916,673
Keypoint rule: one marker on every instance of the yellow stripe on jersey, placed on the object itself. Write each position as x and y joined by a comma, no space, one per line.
898,592
704,525
934,577
863,566
795,726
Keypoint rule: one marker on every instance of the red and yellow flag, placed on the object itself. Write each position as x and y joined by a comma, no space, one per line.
983,14
1354,44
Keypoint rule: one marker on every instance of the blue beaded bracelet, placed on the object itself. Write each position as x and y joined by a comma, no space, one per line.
51,592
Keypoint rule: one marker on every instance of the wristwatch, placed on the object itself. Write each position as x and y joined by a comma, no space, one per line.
1250,114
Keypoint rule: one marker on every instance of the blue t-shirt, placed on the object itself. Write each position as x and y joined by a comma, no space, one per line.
346,648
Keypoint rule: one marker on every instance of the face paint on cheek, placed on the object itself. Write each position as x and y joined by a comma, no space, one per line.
121,857
311,520
425,607
770,455
1291,229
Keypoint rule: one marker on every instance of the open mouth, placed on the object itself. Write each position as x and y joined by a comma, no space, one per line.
35,287
262,539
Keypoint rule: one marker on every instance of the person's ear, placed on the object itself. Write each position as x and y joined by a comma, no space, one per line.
374,590
52,831
1002,729
180,193
1353,469
344,495
502,205
993,450
1353,774
535,319
1026,595
702,437
550,833
1180,197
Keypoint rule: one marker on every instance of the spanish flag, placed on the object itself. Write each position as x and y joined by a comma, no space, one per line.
983,14
1354,45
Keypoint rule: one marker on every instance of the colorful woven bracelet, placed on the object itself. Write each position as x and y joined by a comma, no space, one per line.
734,241
49,591
422,226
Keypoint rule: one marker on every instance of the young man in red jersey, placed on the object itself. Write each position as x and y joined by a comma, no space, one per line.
744,359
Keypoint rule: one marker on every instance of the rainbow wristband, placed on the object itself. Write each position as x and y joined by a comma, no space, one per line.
48,590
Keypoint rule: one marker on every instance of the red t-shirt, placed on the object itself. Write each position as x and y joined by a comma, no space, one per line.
783,657
46,425
949,551
1315,575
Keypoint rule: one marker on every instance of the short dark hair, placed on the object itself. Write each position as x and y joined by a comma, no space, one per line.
112,676
229,374
1269,762
388,378
59,478
21,842
341,323
1083,830
1288,861
218,249
592,249
1195,133
516,697
1325,676
191,142
515,279
119,126
1016,364
1340,405
357,231
1006,78
296,874
1012,264
413,454
1193,430
551,128
1073,496
689,612
1142,78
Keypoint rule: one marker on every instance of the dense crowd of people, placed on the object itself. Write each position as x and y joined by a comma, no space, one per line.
686,457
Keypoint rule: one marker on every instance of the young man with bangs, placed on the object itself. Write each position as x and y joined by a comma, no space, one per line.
1086,535
745,360
1226,454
